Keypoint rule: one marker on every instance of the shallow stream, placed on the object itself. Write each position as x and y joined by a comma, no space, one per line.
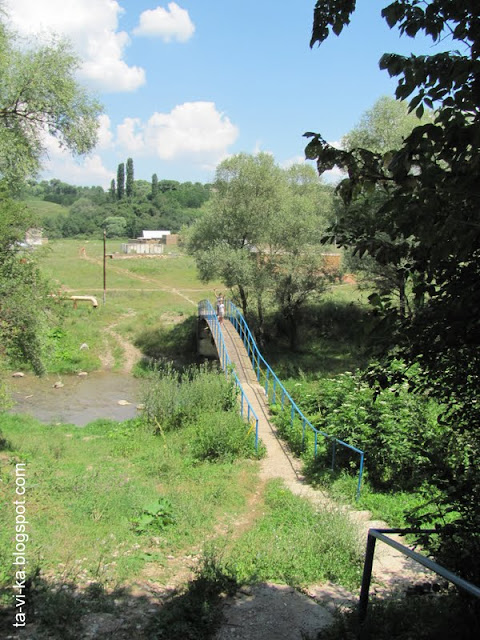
80,400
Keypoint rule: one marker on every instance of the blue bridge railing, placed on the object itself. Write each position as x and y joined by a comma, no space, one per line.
206,310
276,392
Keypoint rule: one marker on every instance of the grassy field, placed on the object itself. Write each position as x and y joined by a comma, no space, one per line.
43,209
119,512
144,296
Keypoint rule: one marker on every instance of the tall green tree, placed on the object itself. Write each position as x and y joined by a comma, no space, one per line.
113,191
154,186
383,259
261,235
432,192
384,127
120,181
129,179
38,94
34,100
23,304
248,193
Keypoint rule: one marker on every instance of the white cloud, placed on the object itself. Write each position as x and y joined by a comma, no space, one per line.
130,135
91,26
59,163
169,24
336,143
333,176
193,130
291,161
105,135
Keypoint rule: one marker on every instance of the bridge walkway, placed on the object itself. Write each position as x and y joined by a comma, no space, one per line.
391,569
279,461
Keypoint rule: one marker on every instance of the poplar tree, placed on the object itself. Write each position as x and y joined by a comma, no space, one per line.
154,186
120,181
129,182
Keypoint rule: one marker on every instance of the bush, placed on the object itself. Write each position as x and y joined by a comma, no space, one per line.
173,400
397,430
222,437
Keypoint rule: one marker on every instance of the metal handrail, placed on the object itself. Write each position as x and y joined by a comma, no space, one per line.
236,318
207,311
374,534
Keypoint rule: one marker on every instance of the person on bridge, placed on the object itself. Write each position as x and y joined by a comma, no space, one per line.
221,311
220,306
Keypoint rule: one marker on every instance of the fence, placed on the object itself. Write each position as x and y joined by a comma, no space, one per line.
206,310
276,392
374,534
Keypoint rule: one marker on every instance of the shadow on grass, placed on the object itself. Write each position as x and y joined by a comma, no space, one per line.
332,337
4,443
430,616
63,611
177,342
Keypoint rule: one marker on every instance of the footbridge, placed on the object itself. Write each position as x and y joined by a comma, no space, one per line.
260,392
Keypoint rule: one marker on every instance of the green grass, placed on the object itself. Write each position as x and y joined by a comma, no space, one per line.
87,486
389,506
295,544
145,299
43,209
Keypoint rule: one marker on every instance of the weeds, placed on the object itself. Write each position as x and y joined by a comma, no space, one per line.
295,544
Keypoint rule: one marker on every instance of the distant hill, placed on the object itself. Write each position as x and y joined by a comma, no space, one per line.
43,209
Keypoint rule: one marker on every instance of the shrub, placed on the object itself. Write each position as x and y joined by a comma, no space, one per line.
397,430
173,400
222,437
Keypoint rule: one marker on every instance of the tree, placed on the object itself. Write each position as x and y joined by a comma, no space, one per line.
383,259
384,127
247,196
257,235
22,324
33,100
129,181
38,94
112,191
432,189
120,181
154,186
115,226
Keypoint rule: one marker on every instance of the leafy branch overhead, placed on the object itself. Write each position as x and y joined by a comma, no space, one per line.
414,207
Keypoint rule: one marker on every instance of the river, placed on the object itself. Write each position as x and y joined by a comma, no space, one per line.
80,400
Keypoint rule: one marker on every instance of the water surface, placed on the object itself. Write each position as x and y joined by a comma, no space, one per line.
80,400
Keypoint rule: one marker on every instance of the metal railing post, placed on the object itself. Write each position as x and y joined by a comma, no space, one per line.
366,577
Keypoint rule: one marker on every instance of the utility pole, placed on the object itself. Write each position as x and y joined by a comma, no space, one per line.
104,266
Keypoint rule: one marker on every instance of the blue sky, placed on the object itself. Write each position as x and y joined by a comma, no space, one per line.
185,84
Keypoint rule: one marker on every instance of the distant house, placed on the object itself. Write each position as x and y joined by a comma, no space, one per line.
33,238
153,236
